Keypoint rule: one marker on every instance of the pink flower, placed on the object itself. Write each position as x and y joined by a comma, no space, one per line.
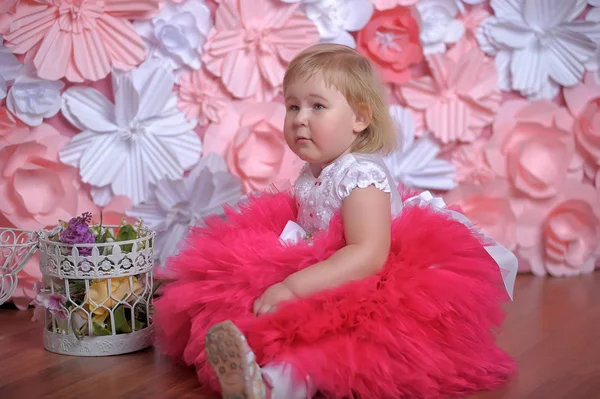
78,39
389,4
252,43
460,98
583,101
251,141
202,97
36,190
561,236
471,19
471,165
391,41
532,146
7,10
488,207
11,130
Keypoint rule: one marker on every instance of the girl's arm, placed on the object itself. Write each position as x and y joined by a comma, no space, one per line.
367,228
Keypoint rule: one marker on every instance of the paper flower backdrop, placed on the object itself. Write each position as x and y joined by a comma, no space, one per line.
170,109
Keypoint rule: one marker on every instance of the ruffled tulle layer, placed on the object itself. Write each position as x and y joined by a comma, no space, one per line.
422,328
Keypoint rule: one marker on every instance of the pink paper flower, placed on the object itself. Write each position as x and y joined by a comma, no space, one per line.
11,130
471,19
36,190
460,98
533,147
76,39
583,101
7,10
561,236
251,44
251,141
488,207
471,165
389,4
202,97
391,41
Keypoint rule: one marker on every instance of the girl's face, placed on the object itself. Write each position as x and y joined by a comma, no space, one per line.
320,125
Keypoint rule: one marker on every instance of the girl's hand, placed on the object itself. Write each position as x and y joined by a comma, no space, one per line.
271,298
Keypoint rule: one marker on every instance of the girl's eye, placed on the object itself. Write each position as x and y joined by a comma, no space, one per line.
293,108
318,106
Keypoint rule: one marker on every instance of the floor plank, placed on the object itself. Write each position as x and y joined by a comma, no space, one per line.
552,329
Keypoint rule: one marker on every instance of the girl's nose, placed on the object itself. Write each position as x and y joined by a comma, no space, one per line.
301,118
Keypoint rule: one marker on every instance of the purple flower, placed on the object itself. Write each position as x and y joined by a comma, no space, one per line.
78,232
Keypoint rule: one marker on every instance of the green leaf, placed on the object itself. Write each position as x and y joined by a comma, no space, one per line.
101,330
126,232
139,325
121,324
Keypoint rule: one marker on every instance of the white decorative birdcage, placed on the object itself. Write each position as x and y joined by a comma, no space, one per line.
98,297
16,248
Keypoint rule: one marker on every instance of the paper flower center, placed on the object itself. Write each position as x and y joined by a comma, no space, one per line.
79,15
135,131
386,40
258,39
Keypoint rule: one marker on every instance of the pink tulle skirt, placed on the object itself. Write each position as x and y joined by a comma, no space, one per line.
424,327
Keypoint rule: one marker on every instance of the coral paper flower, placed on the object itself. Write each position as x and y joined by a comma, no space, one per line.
251,141
202,96
131,144
78,39
533,147
391,41
460,98
583,101
561,236
252,43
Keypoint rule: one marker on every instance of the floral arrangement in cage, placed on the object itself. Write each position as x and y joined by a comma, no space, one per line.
97,279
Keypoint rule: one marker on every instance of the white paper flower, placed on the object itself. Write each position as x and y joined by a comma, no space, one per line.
177,204
335,18
439,25
134,142
594,16
32,99
414,163
177,33
536,50
9,68
461,6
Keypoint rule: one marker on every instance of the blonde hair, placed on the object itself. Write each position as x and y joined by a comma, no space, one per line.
353,75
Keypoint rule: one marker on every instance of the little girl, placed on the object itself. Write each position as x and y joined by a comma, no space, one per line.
342,287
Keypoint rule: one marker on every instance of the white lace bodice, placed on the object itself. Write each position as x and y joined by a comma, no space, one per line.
319,198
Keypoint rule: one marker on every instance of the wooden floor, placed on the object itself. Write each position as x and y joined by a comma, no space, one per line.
552,329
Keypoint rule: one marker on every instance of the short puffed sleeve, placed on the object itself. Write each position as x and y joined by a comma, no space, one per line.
361,174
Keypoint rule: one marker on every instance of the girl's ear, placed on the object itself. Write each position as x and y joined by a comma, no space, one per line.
362,117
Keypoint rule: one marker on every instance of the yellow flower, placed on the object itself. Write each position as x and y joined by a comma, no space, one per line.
101,301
